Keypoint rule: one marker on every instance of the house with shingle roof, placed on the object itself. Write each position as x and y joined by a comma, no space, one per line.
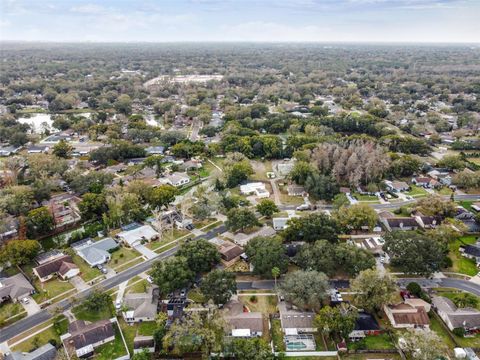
45,352
454,317
95,252
400,223
14,288
62,266
408,315
141,306
82,337
245,324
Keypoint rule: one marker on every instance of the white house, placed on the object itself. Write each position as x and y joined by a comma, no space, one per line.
177,179
255,188
134,234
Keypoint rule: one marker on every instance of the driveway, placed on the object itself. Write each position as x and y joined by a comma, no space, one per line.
32,307
79,284
149,254
276,193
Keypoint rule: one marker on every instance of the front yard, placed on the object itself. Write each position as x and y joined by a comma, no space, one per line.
82,313
43,337
261,303
122,256
416,191
87,273
167,237
460,263
9,309
50,289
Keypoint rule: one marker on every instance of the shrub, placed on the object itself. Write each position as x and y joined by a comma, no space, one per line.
253,298
460,332
414,289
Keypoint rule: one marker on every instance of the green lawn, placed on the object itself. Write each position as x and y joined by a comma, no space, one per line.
125,266
122,256
129,332
168,236
147,328
416,191
87,273
361,197
466,204
9,309
49,289
462,264
43,337
81,313
196,296
377,342
438,327
113,349
139,287
451,293
277,335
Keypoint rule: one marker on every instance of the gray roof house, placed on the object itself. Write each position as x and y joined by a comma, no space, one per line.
454,317
15,288
141,306
45,352
245,324
95,252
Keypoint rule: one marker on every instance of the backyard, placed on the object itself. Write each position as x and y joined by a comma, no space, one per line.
113,349
373,342
462,264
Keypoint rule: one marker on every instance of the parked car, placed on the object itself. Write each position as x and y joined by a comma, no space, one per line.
26,300
150,279
118,304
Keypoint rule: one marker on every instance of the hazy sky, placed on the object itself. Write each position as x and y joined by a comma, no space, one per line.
241,20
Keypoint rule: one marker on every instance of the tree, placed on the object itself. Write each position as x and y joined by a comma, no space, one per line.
310,228
266,254
267,208
452,162
196,332
219,286
372,290
62,149
162,195
241,219
305,289
319,256
415,253
200,254
39,222
423,344
319,186
301,171
172,274
247,349
353,259
92,206
275,273
161,329
435,205
19,252
123,104
336,320
414,289
356,217
237,173
17,199
98,300
465,300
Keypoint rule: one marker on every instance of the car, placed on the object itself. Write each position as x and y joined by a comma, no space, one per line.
303,207
183,293
118,304
99,267
150,279
104,270
26,300
382,259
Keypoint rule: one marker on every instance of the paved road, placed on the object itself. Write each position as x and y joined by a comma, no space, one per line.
45,314
464,285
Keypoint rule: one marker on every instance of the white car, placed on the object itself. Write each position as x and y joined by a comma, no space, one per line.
26,300
150,279
118,304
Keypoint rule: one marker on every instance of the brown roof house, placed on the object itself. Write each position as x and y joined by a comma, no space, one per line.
62,266
412,313
454,317
241,323
230,251
142,342
15,288
83,338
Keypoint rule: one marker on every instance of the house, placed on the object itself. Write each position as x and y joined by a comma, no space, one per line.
396,186
191,165
400,223
62,266
64,210
255,188
454,317
141,343
373,244
426,182
296,322
38,149
245,324
9,229
83,338
280,223
366,324
155,150
184,223
95,252
15,288
176,179
45,352
134,234
476,206
295,190
471,252
9,150
408,314
141,306
428,222
230,251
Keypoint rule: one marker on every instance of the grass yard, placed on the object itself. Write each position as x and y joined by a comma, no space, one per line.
81,313
438,327
9,309
450,294
87,273
260,303
416,191
43,337
49,289
113,349
122,256
277,335
361,197
125,266
168,236
139,287
444,191
462,264
370,356
377,342
467,205
147,328
196,296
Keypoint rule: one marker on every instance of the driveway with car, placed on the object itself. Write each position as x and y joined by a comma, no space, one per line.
30,305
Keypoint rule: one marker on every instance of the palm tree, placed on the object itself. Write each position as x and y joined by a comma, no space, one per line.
275,274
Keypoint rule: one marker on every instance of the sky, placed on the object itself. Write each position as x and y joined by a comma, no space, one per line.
447,21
